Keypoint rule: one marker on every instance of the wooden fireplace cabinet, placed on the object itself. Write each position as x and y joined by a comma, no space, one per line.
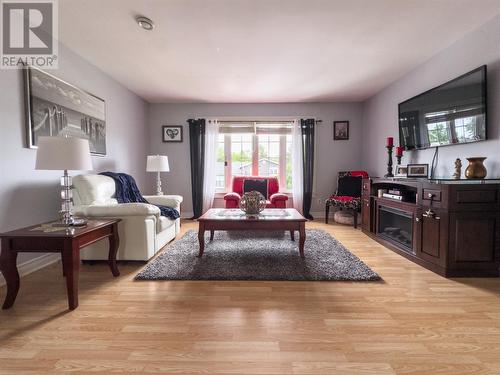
455,225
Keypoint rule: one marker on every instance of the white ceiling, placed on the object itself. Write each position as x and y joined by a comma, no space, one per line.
260,51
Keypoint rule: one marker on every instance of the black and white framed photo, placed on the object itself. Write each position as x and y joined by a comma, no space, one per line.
401,171
55,108
172,133
418,170
340,130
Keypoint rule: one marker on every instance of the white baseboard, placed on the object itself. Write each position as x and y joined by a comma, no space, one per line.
33,265
186,215
318,214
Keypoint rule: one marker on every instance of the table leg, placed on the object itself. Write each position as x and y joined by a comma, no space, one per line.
211,235
114,243
327,212
9,270
201,238
302,238
292,235
71,266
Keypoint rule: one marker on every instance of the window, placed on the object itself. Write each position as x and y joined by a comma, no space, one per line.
254,149
220,182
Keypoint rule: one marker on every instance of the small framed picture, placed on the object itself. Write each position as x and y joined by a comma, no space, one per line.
340,130
418,170
401,171
172,133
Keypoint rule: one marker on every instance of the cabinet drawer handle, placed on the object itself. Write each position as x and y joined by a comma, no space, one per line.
417,219
431,215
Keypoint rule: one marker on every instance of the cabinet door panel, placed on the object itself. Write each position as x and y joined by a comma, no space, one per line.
475,237
432,241
431,232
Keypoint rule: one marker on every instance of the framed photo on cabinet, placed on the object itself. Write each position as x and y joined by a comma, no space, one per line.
418,170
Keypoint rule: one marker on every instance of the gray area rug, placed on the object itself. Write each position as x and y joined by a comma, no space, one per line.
249,255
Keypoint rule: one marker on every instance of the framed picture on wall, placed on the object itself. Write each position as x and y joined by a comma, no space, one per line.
55,108
172,133
340,130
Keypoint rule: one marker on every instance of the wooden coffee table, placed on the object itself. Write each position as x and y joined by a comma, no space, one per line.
271,219
43,238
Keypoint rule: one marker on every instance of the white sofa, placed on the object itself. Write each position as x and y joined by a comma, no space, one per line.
142,230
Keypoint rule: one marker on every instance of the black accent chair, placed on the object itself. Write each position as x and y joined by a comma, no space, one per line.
348,194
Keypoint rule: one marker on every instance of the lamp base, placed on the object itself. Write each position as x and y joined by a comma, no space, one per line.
72,223
158,185
67,219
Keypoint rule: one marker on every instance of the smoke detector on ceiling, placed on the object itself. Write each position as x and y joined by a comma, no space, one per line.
145,23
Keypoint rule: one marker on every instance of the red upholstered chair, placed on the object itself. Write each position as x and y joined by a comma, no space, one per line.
275,199
348,194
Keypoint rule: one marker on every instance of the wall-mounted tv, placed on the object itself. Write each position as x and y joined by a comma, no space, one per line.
453,113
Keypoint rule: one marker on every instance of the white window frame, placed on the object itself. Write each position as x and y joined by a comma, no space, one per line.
228,176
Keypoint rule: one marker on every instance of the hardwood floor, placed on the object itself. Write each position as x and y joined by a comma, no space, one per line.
413,322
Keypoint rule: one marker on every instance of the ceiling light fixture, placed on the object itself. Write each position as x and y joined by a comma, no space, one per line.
145,23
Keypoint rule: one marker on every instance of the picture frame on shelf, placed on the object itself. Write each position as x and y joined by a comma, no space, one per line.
171,133
418,170
401,171
341,130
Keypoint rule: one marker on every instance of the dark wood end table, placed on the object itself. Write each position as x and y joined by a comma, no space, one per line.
67,241
234,219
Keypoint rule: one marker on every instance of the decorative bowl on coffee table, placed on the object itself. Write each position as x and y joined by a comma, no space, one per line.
252,203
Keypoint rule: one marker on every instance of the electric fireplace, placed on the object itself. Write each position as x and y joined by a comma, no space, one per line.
396,225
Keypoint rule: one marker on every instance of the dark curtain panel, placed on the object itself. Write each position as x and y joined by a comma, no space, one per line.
307,128
197,151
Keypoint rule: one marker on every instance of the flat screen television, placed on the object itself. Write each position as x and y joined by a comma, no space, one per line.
453,113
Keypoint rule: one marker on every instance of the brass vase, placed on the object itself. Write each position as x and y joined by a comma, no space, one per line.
476,169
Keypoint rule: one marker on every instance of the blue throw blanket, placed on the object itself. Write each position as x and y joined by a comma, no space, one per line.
128,192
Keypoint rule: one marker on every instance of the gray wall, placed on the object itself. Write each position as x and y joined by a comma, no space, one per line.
29,196
380,113
332,156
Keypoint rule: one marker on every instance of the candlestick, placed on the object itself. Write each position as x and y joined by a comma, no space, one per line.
398,158
389,162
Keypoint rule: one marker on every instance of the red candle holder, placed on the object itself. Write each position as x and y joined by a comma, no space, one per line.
389,161
399,154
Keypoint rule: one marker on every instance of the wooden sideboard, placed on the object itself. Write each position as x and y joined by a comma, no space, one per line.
449,227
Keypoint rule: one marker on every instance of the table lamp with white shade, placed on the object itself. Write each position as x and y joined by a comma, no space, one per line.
157,163
64,153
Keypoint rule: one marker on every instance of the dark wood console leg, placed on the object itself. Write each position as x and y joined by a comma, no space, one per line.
8,267
211,235
327,211
114,244
355,215
292,235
